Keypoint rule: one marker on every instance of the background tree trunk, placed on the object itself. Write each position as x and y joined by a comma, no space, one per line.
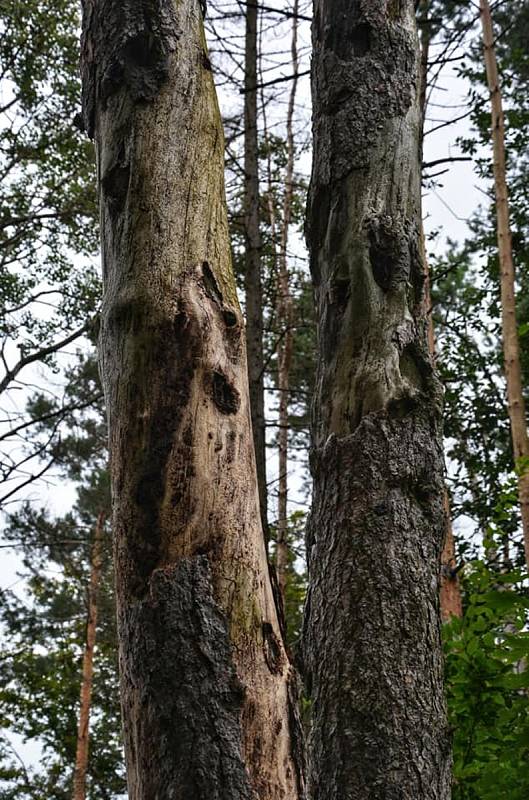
207,689
81,756
450,591
371,641
252,260
286,321
511,344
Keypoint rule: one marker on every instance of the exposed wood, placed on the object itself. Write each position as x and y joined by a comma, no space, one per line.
511,344
83,733
372,649
208,693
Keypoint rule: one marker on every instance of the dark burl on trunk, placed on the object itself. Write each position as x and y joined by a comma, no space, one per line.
208,693
372,646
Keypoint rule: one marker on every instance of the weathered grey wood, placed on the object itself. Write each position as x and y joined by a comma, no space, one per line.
208,693
371,643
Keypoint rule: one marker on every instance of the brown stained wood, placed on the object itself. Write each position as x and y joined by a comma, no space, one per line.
83,733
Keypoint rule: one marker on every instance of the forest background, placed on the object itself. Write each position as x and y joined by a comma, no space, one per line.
53,475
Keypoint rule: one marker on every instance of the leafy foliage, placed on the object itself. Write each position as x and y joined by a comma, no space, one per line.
487,684
49,282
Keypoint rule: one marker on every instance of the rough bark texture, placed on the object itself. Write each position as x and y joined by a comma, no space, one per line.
371,642
208,694
286,320
252,260
81,756
511,344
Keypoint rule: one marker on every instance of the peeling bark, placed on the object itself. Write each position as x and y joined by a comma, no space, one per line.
208,693
372,651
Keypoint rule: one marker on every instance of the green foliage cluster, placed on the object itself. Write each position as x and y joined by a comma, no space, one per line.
45,630
49,278
45,625
487,681
47,196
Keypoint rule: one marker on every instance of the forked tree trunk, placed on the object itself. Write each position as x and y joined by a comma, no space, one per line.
208,701
372,636
511,344
81,756
252,260
286,321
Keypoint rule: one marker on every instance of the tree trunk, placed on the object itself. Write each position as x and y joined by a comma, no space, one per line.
372,646
285,320
252,260
208,695
450,592
511,345
450,588
81,756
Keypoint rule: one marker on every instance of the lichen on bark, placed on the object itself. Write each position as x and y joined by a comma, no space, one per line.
205,679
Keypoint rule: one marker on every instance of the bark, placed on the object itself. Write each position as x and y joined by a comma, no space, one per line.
208,694
252,260
286,320
81,756
372,648
511,344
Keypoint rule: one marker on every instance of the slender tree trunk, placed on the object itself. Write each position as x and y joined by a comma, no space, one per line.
208,696
511,345
451,601
450,589
372,646
81,757
285,320
252,260
450,592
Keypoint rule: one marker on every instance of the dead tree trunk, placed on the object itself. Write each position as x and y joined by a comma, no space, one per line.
372,636
286,321
252,260
207,694
81,756
511,344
